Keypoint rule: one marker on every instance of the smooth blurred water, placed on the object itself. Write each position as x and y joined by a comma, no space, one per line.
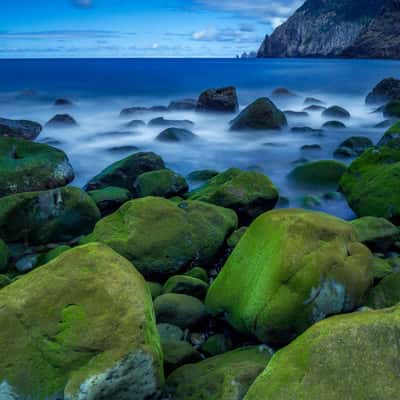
101,88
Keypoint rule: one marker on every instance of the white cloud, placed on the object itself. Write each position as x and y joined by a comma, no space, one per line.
226,35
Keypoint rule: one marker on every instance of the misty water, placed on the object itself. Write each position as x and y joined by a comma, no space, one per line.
102,88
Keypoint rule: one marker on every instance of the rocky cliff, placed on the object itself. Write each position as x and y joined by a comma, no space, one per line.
332,28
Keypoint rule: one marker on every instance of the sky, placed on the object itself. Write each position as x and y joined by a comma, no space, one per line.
137,28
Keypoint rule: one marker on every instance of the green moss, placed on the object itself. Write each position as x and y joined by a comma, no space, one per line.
4,281
290,269
392,109
199,273
178,353
184,284
4,256
202,175
381,267
155,289
110,198
391,138
217,344
52,254
386,293
234,239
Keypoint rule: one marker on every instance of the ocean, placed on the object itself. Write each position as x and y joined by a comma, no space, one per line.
101,88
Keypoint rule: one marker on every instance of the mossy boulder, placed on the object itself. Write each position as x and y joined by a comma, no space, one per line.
391,138
4,256
260,115
27,166
318,174
89,289
21,129
382,267
110,198
171,135
178,353
169,332
234,239
155,289
199,273
217,344
162,237
202,175
336,112
162,183
52,254
224,377
337,359
392,109
4,281
334,125
311,201
291,268
179,309
369,182
377,233
52,216
124,172
386,293
353,146
184,284
248,193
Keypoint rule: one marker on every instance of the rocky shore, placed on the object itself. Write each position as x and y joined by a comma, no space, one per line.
147,284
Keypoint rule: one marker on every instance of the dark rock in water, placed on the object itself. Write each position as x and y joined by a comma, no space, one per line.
283,93
378,110
161,121
57,215
114,134
124,172
218,100
260,115
127,112
344,152
175,135
110,198
135,123
63,103
336,112
391,137
123,149
306,129
384,124
392,109
386,90
314,108
296,114
234,239
334,125
311,147
161,183
158,108
61,121
353,146
51,141
202,175
273,144
28,166
182,105
27,263
19,129
313,101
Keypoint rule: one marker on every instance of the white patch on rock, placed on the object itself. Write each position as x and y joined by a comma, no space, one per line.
63,171
7,392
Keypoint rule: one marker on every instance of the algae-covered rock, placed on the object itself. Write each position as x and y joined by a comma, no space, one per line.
4,281
369,182
21,129
249,193
260,115
382,267
178,353
124,172
56,215
169,332
353,146
318,174
179,309
391,137
199,273
350,356
202,175
110,198
162,183
184,284
162,237
52,254
386,293
224,377
171,135
234,239
82,325
392,109
155,289
4,256
290,269
217,344
27,166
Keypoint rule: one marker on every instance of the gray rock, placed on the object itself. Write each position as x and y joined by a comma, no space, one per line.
21,129
218,100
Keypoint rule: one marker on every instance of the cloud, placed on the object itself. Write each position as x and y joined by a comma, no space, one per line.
239,35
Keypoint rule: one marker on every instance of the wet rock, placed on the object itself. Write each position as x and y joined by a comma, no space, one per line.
312,101
311,201
386,90
177,353
172,135
392,109
336,112
334,125
353,146
314,108
62,121
218,100
202,175
199,273
306,129
135,123
387,123
234,239
391,137
283,93
21,129
128,112
184,284
109,199
123,149
311,147
182,105
63,103
4,256
161,121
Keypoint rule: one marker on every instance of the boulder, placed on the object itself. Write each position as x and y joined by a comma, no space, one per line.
318,174
311,147
386,293
382,267
4,281
334,125
63,103
4,256
217,344
124,172
179,309
110,198
218,100
224,377
27,166
314,108
177,353
248,193
202,175
199,273
369,181
162,237
61,121
184,284
283,93
123,149
391,137
90,290
169,332
175,135
336,112
182,105
52,254
234,239
353,146
260,115
181,123
387,123
312,101
135,123
291,269
51,216
386,90
21,129
392,109
161,183
336,359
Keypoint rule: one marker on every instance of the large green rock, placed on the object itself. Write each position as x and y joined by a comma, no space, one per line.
318,174
370,181
162,237
26,166
224,377
386,293
391,137
392,109
4,256
124,172
249,193
260,115
110,198
352,356
82,325
290,269
186,285
51,216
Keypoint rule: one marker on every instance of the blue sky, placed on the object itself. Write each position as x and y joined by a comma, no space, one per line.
136,28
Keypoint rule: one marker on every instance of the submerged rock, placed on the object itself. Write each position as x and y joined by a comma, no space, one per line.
300,267
27,166
218,100
336,112
62,121
21,129
90,290
306,129
386,90
162,237
181,123
57,215
175,135
296,114
135,123
184,284
260,115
